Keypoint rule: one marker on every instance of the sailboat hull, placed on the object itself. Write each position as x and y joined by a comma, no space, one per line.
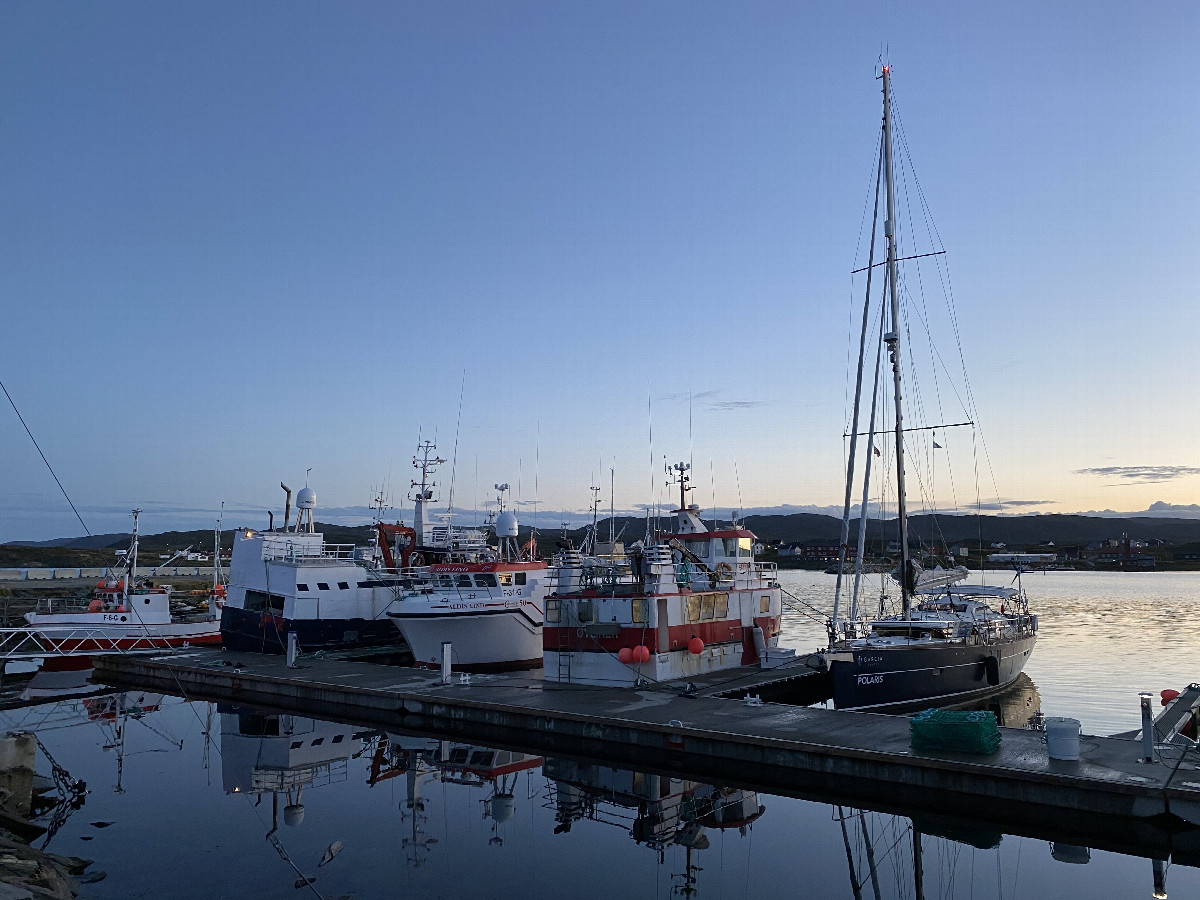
877,677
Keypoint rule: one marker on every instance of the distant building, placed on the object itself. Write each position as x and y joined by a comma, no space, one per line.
1023,559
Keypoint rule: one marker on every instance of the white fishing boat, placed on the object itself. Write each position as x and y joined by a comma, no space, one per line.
486,603
950,640
124,613
684,604
292,582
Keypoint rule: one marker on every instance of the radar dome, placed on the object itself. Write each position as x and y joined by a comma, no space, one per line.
506,524
502,808
293,814
306,498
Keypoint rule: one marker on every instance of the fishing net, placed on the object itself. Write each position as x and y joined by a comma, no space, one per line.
944,729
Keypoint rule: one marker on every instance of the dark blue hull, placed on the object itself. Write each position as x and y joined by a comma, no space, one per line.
894,676
254,632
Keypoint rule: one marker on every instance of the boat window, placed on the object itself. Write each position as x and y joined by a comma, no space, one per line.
445,581
487,580
552,613
345,586
700,548
722,606
458,756
302,587
296,745
258,726
584,609
505,578
318,742
322,585
707,604
463,581
640,609
764,603
744,547
338,738
691,607
483,757
259,601
520,577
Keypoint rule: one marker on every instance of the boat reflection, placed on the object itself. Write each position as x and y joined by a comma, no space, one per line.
426,761
282,755
657,810
1017,706
880,846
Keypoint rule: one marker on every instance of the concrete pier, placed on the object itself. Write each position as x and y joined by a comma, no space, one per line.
1106,798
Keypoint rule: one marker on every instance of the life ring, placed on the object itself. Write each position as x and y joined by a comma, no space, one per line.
724,572
416,560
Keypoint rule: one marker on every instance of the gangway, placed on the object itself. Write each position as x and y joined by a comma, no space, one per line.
79,640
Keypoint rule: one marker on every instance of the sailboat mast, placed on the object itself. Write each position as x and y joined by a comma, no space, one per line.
892,338
862,349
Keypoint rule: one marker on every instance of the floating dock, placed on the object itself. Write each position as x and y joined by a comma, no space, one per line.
1108,799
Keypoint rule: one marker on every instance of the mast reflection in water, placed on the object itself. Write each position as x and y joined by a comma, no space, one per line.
233,802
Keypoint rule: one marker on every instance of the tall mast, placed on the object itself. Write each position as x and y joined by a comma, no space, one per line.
892,338
862,349
133,563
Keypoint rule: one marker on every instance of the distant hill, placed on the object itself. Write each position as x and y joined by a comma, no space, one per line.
1013,531
201,540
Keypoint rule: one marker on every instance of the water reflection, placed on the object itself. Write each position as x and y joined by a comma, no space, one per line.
425,762
657,810
410,809
280,756
1017,706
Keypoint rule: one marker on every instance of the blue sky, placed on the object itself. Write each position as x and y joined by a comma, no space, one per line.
243,240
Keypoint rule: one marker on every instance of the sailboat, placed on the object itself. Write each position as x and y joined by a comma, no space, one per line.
949,641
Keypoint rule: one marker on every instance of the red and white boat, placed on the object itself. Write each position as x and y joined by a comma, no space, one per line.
123,614
691,602
487,605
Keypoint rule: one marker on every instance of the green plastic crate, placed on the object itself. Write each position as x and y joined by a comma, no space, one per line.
945,729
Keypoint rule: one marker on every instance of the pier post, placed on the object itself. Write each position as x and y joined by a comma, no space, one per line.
1147,728
1160,879
445,662
293,649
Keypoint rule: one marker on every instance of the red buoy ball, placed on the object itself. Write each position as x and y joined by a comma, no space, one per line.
641,653
625,655
1168,694
695,646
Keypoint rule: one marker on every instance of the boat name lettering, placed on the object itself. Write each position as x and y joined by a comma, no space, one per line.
870,679
870,659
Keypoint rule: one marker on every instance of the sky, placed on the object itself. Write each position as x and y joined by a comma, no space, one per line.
569,242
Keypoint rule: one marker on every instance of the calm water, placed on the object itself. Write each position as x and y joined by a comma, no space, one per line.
252,808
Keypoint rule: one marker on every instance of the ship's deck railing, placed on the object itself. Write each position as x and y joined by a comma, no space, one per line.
983,631
286,551
62,605
598,574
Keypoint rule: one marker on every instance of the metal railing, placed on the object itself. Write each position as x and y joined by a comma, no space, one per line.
82,640
291,552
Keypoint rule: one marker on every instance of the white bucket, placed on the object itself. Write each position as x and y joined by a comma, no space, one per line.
1062,737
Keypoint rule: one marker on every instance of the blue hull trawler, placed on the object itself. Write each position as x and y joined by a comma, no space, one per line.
292,582
951,640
